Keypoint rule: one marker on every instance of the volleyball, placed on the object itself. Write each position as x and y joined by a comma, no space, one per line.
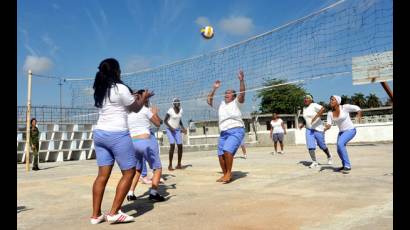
207,32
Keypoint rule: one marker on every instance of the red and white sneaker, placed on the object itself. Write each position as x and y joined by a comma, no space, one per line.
98,220
119,218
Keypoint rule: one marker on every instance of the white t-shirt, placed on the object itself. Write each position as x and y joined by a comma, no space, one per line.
277,126
230,115
114,113
343,121
139,123
174,118
309,113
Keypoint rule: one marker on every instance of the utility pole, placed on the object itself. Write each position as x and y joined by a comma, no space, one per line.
28,121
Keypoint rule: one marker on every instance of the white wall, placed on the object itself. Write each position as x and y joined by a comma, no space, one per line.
370,132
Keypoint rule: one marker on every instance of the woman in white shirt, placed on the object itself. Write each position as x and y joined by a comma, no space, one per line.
111,138
314,129
145,143
174,125
277,132
340,114
230,125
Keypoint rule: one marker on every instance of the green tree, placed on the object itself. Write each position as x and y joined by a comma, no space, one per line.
346,99
373,101
359,100
389,102
281,99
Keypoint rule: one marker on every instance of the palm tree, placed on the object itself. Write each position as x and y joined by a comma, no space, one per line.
373,101
359,100
346,99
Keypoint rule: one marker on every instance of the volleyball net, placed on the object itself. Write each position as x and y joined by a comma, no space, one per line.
320,45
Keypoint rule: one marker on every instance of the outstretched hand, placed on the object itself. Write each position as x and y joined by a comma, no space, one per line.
241,75
217,84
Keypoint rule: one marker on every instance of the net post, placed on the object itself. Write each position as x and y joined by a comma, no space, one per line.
27,148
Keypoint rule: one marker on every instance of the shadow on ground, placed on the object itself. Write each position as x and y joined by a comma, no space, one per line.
143,204
22,209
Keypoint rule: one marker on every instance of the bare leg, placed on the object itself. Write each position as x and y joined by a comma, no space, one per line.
275,145
100,182
122,189
243,149
223,167
281,145
135,180
179,166
228,164
155,178
171,155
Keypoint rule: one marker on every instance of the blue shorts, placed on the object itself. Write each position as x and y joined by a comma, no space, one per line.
230,140
110,146
174,136
277,137
313,137
149,150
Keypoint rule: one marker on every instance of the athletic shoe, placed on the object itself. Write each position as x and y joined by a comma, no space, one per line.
346,170
313,165
246,156
131,197
98,220
280,152
329,161
157,197
119,218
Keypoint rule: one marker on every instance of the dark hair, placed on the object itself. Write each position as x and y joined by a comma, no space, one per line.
108,75
141,91
31,121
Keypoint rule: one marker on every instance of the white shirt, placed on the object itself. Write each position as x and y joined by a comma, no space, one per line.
230,115
174,118
113,115
343,121
277,126
309,113
139,123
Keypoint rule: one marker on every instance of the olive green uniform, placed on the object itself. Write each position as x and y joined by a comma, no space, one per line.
34,144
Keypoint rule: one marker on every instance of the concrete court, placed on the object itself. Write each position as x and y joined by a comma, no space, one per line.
268,192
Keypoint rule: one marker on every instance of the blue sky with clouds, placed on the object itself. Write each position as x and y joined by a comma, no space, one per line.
70,38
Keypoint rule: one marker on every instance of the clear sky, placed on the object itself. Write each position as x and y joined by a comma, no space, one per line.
70,38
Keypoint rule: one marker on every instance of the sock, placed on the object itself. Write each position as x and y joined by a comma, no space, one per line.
327,153
153,192
312,154
130,193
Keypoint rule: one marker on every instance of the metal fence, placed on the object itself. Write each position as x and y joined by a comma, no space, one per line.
55,114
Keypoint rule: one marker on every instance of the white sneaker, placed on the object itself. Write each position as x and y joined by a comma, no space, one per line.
245,155
313,165
120,218
329,161
280,152
98,220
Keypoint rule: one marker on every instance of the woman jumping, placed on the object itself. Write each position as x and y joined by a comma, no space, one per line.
230,124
